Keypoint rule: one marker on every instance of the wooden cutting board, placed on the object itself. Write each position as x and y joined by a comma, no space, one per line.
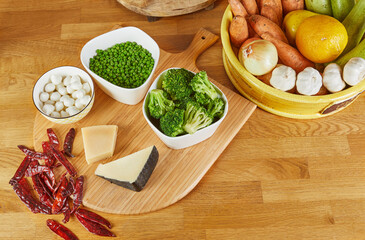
177,171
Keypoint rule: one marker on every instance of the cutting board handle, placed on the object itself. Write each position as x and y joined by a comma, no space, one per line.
202,40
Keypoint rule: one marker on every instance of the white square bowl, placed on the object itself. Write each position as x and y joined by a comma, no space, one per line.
185,140
63,71
130,96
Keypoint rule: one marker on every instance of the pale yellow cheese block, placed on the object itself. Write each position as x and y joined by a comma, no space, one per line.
99,142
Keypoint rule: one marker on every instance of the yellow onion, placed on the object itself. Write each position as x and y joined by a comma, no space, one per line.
258,57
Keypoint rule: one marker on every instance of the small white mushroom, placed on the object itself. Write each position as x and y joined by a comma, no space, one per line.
44,96
59,106
75,78
332,79
70,89
62,90
56,79
60,85
55,114
283,78
67,80
48,109
354,71
78,104
76,85
41,105
63,98
55,96
64,114
69,102
309,81
85,99
49,102
86,87
79,93
72,110
50,87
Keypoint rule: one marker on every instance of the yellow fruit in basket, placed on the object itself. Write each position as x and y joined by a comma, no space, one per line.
321,38
292,21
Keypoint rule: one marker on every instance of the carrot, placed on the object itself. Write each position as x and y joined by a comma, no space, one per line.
238,31
237,8
276,5
288,55
270,13
263,25
291,5
250,6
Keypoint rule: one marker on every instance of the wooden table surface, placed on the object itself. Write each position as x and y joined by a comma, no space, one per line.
278,179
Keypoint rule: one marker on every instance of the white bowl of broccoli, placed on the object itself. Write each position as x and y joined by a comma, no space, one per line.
184,108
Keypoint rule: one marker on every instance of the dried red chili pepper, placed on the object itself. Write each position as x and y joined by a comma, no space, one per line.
94,227
66,210
70,188
50,161
61,230
93,217
68,143
48,191
59,200
46,182
33,170
19,174
53,139
22,189
79,191
62,159
43,195
59,183
31,153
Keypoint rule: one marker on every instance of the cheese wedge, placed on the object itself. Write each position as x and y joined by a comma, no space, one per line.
99,142
132,171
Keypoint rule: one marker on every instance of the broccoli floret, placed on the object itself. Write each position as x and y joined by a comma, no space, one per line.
200,83
196,117
216,107
176,83
202,98
159,104
171,123
182,102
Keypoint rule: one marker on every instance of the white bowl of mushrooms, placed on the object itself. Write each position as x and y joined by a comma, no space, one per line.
64,94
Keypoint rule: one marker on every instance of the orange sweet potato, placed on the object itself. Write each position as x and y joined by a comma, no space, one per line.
237,8
263,25
250,6
291,5
288,55
238,31
276,5
270,13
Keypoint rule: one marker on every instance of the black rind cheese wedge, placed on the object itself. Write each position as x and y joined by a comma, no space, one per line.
132,171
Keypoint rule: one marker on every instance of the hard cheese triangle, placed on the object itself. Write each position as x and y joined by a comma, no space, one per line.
132,171
99,142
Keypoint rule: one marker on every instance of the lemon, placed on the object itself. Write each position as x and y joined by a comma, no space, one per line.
321,38
292,21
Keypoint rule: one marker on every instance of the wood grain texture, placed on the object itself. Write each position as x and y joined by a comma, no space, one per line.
177,171
265,183
165,8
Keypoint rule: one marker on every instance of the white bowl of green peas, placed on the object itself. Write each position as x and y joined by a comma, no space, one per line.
122,62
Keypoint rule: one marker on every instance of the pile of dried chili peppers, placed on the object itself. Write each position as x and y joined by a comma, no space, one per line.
55,197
